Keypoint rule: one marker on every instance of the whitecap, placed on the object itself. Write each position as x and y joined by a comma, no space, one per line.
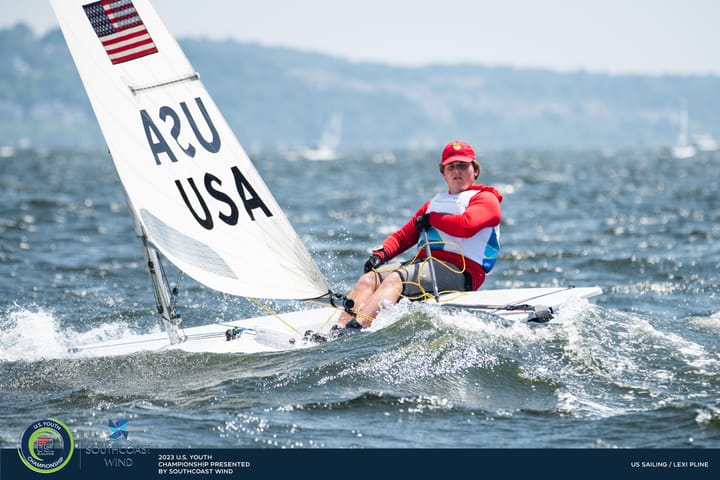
36,334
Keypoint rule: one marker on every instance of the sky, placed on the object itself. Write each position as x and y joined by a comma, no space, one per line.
601,36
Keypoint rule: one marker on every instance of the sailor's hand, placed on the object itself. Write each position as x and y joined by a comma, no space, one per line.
373,262
422,223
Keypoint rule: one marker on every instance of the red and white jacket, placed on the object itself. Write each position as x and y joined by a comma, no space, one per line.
462,225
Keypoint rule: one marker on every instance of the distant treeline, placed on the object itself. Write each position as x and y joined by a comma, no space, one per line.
282,98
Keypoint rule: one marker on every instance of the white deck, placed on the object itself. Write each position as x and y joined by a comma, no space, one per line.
286,331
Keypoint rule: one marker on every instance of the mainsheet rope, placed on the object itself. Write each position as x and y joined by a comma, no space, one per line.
423,295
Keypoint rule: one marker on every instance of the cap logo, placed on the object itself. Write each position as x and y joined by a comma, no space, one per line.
456,146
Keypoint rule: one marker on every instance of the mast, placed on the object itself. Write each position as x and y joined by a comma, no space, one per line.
163,297
683,127
166,308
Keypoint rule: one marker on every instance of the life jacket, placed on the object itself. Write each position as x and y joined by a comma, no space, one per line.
482,248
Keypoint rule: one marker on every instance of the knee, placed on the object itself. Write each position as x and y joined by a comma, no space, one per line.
369,280
392,279
393,283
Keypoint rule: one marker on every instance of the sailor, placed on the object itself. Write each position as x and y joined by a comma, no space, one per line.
462,227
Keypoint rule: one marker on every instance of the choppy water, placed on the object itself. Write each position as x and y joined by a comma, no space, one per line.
641,368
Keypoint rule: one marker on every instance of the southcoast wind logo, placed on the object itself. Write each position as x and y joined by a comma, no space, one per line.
46,446
118,429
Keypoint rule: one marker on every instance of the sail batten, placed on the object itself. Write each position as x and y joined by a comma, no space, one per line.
198,196
185,78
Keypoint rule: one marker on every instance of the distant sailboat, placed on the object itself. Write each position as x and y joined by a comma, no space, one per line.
326,148
682,149
7,151
705,142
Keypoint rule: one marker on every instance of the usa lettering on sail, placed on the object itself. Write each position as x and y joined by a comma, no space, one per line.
195,195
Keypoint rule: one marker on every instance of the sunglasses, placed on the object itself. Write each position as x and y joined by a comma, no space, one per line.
457,166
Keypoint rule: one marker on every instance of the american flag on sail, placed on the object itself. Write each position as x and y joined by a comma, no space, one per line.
120,30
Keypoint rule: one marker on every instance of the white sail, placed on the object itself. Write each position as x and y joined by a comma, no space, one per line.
326,148
192,187
682,149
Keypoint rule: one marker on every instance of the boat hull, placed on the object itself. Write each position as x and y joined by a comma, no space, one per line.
287,331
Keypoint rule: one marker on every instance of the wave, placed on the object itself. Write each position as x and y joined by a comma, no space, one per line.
34,334
588,362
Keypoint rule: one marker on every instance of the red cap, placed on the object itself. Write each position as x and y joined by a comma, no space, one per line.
457,152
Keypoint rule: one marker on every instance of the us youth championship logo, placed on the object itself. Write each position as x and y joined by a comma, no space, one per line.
46,446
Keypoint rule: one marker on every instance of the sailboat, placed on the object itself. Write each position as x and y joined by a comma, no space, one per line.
682,149
197,200
705,142
326,148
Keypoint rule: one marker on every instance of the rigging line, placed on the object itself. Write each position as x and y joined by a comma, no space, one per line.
156,289
518,305
569,287
424,295
452,244
175,292
429,261
264,307
112,345
172,293
173,316
428,254
350,311
328,319
425,259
